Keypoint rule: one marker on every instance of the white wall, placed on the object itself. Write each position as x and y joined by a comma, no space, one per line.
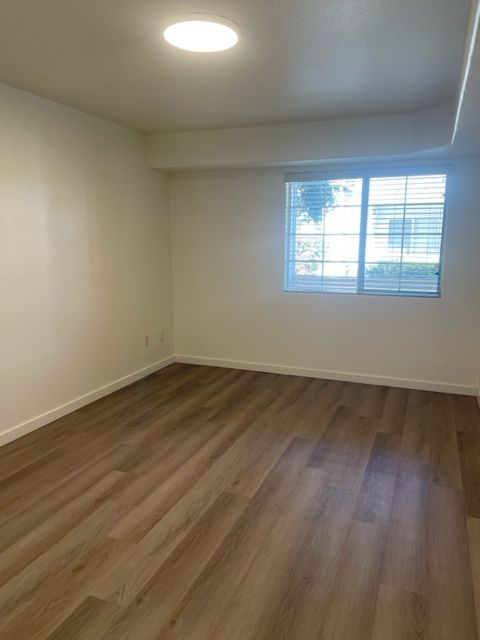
228,236
84,257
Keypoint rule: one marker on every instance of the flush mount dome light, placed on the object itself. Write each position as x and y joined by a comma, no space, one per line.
201,33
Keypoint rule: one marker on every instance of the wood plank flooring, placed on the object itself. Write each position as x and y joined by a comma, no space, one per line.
205,503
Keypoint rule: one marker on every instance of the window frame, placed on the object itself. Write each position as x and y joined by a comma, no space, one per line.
366,175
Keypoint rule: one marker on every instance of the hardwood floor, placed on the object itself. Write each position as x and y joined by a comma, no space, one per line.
206,503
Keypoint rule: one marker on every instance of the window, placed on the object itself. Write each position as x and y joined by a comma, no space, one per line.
375,235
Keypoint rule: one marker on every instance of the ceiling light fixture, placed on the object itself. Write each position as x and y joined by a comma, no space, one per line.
201,33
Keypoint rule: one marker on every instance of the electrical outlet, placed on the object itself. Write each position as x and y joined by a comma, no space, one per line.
147,340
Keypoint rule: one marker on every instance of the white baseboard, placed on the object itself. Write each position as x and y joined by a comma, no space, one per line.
345,376
54,414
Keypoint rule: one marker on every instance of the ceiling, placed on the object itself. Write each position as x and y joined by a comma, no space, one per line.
297,59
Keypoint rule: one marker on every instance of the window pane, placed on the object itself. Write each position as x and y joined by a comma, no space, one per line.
382,276
323,231
328,276
421,277
380,248
404,234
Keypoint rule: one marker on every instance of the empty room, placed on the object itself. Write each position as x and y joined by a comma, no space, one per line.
240,320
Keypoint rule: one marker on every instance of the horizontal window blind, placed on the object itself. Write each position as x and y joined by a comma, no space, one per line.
380,235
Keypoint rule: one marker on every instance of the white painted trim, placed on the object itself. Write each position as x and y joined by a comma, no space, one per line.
472,33
345,376
54,414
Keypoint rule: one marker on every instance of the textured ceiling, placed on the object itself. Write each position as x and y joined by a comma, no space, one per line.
296,60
